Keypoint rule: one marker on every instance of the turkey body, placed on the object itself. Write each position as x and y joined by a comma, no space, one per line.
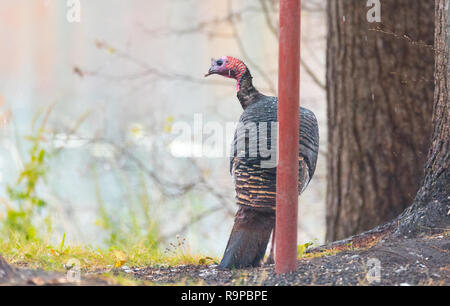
254,176
253,164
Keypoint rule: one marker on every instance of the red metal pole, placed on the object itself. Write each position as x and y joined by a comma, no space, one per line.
288,135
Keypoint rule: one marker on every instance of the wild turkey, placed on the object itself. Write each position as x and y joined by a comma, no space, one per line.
255,184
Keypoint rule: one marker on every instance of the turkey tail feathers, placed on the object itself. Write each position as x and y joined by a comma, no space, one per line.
249,238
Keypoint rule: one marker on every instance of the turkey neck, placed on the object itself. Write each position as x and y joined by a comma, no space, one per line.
247,93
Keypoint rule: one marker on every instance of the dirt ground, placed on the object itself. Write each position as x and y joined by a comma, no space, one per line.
421,261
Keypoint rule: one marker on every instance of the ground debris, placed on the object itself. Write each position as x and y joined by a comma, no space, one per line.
406,262
421,261
11,276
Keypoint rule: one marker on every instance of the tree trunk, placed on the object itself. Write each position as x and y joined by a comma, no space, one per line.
430,211
380,100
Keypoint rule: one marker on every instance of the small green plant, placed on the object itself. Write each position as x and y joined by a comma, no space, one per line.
23,193
61,247
301,249
206,260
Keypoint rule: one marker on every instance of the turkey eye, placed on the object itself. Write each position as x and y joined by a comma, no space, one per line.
219,62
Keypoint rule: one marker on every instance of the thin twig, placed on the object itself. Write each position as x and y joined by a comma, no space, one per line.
274,30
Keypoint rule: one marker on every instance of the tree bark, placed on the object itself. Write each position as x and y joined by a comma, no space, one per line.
430,211
380,100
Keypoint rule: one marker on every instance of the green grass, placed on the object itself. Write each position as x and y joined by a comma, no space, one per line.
36,254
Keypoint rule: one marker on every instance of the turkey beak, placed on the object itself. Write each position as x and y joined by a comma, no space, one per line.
211,70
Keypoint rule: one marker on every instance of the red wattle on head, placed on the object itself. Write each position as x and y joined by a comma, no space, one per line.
237,67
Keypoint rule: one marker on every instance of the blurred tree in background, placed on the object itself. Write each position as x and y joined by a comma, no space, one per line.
380,100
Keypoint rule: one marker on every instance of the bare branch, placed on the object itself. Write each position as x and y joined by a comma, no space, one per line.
241,46
274,30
